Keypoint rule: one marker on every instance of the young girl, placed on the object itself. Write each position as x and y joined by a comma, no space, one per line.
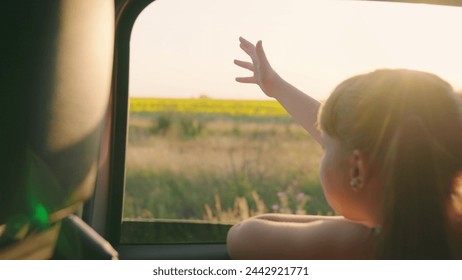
392,168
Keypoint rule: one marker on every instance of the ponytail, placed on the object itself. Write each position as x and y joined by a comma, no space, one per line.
419,171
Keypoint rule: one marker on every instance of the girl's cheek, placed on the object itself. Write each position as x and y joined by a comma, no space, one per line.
323,171
325,177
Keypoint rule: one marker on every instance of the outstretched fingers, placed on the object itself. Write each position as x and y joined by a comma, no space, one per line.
250,50
244,64
262,55
247,47
246,80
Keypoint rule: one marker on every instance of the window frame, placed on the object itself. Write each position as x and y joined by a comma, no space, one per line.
127,14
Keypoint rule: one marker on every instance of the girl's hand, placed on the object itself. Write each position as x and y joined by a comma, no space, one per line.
302,107
263,74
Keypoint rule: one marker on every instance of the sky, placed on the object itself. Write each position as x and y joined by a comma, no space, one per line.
185,48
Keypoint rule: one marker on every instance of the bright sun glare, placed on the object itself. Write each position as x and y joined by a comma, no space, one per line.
183,48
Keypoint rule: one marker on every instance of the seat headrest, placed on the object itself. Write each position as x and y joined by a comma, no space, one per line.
59,58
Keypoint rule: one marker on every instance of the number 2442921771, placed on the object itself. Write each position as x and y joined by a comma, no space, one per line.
273,270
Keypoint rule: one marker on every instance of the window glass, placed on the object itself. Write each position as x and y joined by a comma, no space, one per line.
202,147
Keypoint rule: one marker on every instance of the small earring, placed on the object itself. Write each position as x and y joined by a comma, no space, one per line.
356,183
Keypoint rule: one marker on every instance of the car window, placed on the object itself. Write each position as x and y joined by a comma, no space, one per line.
203,149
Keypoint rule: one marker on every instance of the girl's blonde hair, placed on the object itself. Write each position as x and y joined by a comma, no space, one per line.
409,123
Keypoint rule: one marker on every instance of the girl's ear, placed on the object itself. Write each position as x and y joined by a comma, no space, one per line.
359,170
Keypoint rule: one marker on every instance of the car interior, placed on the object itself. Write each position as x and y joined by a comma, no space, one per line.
64,107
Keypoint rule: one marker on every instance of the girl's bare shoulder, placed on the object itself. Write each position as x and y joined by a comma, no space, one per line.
322,238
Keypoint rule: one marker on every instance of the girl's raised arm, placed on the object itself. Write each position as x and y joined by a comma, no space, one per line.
303,108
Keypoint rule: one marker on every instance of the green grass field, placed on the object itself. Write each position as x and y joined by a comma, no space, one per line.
218,160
